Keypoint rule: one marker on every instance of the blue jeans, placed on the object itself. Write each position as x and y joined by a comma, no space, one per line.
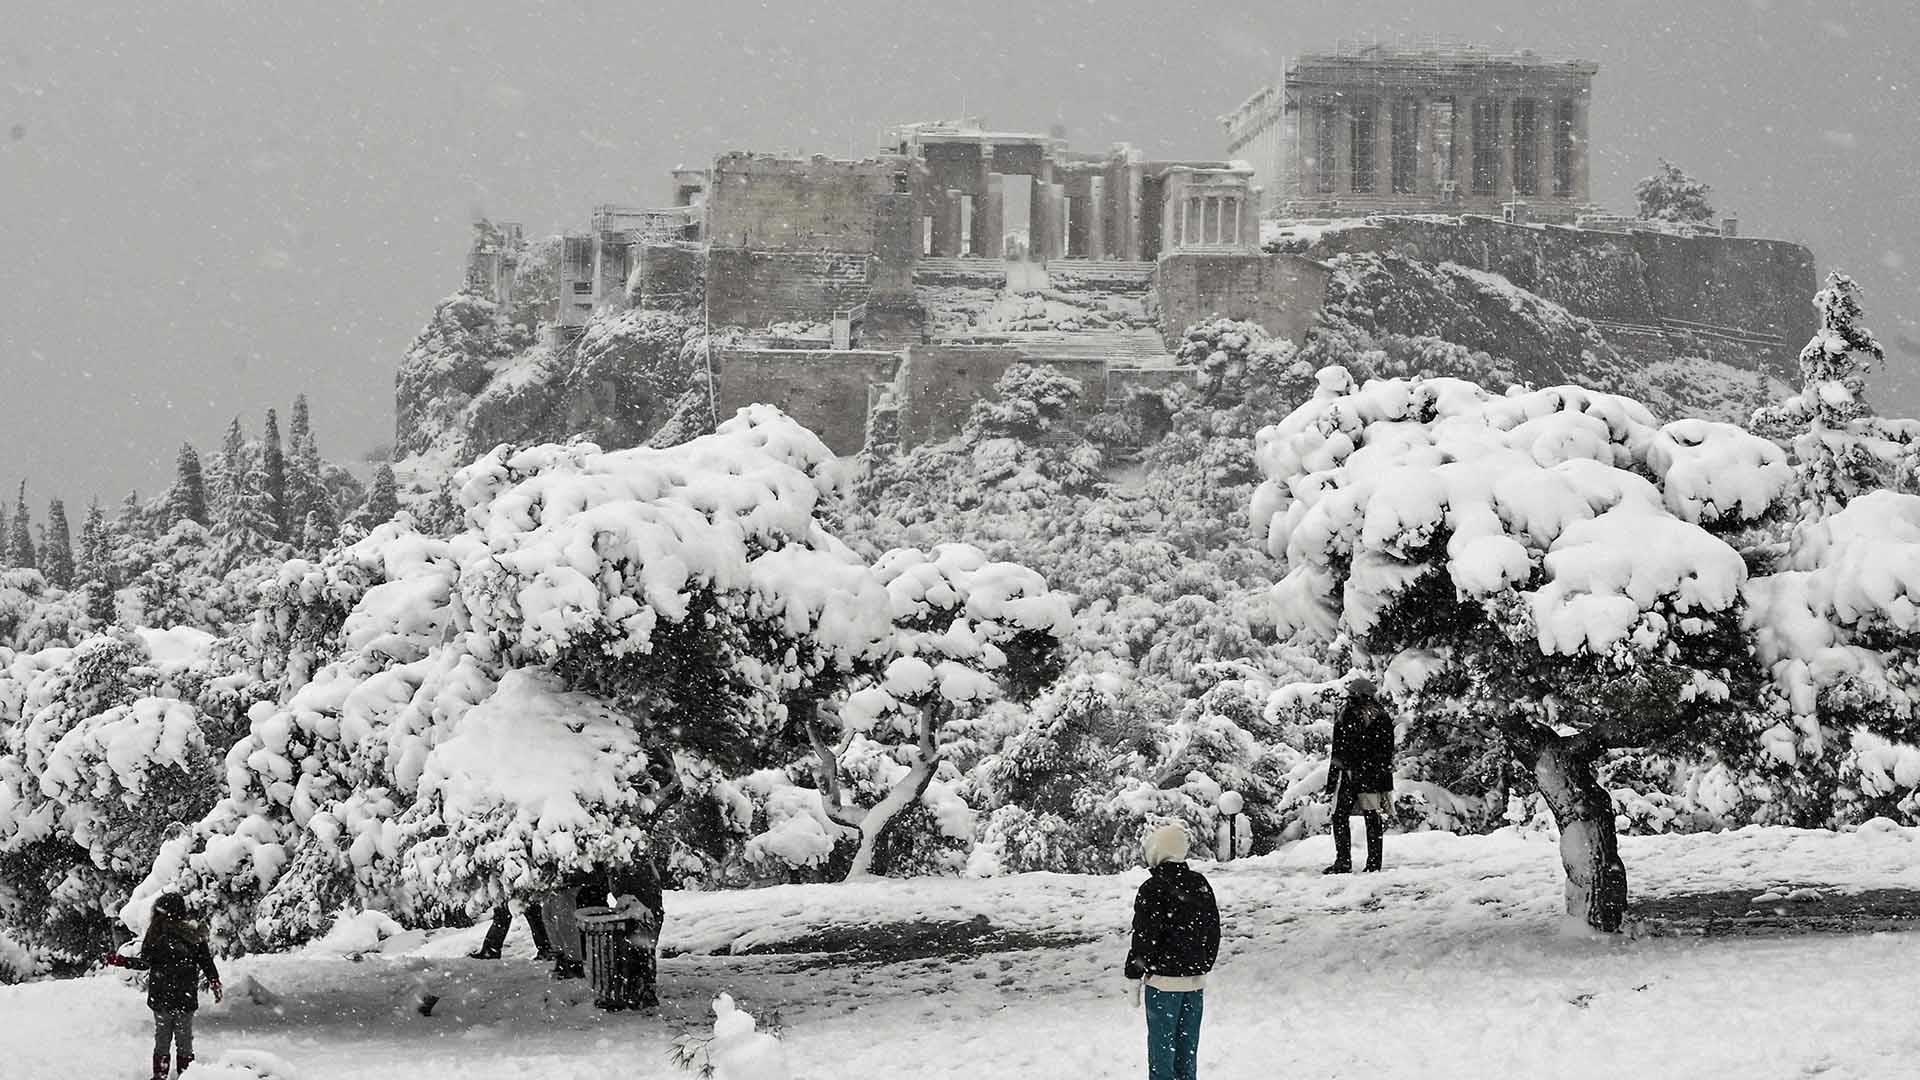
1173,1033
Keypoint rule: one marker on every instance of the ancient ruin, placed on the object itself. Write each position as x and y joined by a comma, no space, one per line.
911,279
1420,128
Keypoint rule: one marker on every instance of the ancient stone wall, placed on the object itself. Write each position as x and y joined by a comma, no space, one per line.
826,390
941,383
1280,292
788,204
669,277
757,288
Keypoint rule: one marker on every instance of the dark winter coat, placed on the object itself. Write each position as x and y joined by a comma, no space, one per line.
1176,926
1363,745
174,955
638,881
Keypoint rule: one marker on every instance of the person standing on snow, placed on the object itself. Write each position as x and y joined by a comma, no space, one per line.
1360,774
502,922
174,954
1176,938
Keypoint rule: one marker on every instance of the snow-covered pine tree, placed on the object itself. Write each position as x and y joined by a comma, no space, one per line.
273,462
229,470
712,594
134,521
967,631
94,570
383,497
6,538
1840,448
57,553
187,498
20,550
102,752
1671,195
308,499
245,531
1548,567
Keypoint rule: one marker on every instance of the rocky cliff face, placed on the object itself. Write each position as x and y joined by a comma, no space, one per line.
1656,298
474,379
1388,314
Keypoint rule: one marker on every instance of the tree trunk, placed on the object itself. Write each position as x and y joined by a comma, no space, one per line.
911,787
1589,847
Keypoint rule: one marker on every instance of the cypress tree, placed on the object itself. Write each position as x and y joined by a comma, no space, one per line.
383,499
132,521
187,498
232,469
273,463
94,572
57,559
246,530
20,535
6,548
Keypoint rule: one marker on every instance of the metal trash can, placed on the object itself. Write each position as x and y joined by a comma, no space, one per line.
619,954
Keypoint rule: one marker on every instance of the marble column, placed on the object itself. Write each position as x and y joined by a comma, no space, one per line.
986,241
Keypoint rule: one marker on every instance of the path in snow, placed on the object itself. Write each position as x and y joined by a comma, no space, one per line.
1453,963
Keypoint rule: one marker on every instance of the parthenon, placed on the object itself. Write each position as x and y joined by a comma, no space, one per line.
1412,128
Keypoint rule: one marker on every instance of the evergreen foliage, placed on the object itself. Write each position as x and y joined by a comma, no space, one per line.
1671,195
20,550
187,498
273,462
57,553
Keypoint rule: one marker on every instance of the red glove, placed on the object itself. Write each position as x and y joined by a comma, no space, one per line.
219,995
114,960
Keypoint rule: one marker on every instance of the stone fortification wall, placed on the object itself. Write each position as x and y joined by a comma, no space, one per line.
827,390
941,382
798,204
1282,293
668,276
1739,300
758,288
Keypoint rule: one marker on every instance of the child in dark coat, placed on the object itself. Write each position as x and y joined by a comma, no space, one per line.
174,954
1176,938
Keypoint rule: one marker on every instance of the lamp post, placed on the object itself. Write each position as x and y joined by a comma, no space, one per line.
1230,804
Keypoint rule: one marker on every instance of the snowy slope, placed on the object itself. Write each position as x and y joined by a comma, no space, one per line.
1453,963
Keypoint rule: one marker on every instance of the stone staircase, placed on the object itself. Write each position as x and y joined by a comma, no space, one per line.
982,273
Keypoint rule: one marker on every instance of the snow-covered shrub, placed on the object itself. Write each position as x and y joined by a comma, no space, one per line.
104,748
1547,566
609,637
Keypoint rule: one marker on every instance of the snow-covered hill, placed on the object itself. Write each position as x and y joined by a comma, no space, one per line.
1455,962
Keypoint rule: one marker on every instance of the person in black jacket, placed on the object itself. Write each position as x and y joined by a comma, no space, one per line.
1360,774
1176,938
174,954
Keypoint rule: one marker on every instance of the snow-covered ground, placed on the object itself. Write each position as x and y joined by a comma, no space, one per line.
1453,963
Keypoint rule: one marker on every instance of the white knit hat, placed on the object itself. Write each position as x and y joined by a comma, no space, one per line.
1168,843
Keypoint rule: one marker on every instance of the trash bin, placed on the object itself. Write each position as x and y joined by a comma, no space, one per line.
619,954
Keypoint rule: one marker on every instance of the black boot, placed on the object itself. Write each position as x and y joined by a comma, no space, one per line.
159,1067
1342,847
1376,839
181,1061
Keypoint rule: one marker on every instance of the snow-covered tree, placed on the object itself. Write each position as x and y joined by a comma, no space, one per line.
56,556
20,550
967,631
1840,448
187,498
273,464
610,634
95,572
231,468
383,498
1671,195
1548,567
103,753
246,526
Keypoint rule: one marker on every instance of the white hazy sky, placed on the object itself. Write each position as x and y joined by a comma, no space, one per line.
206,207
